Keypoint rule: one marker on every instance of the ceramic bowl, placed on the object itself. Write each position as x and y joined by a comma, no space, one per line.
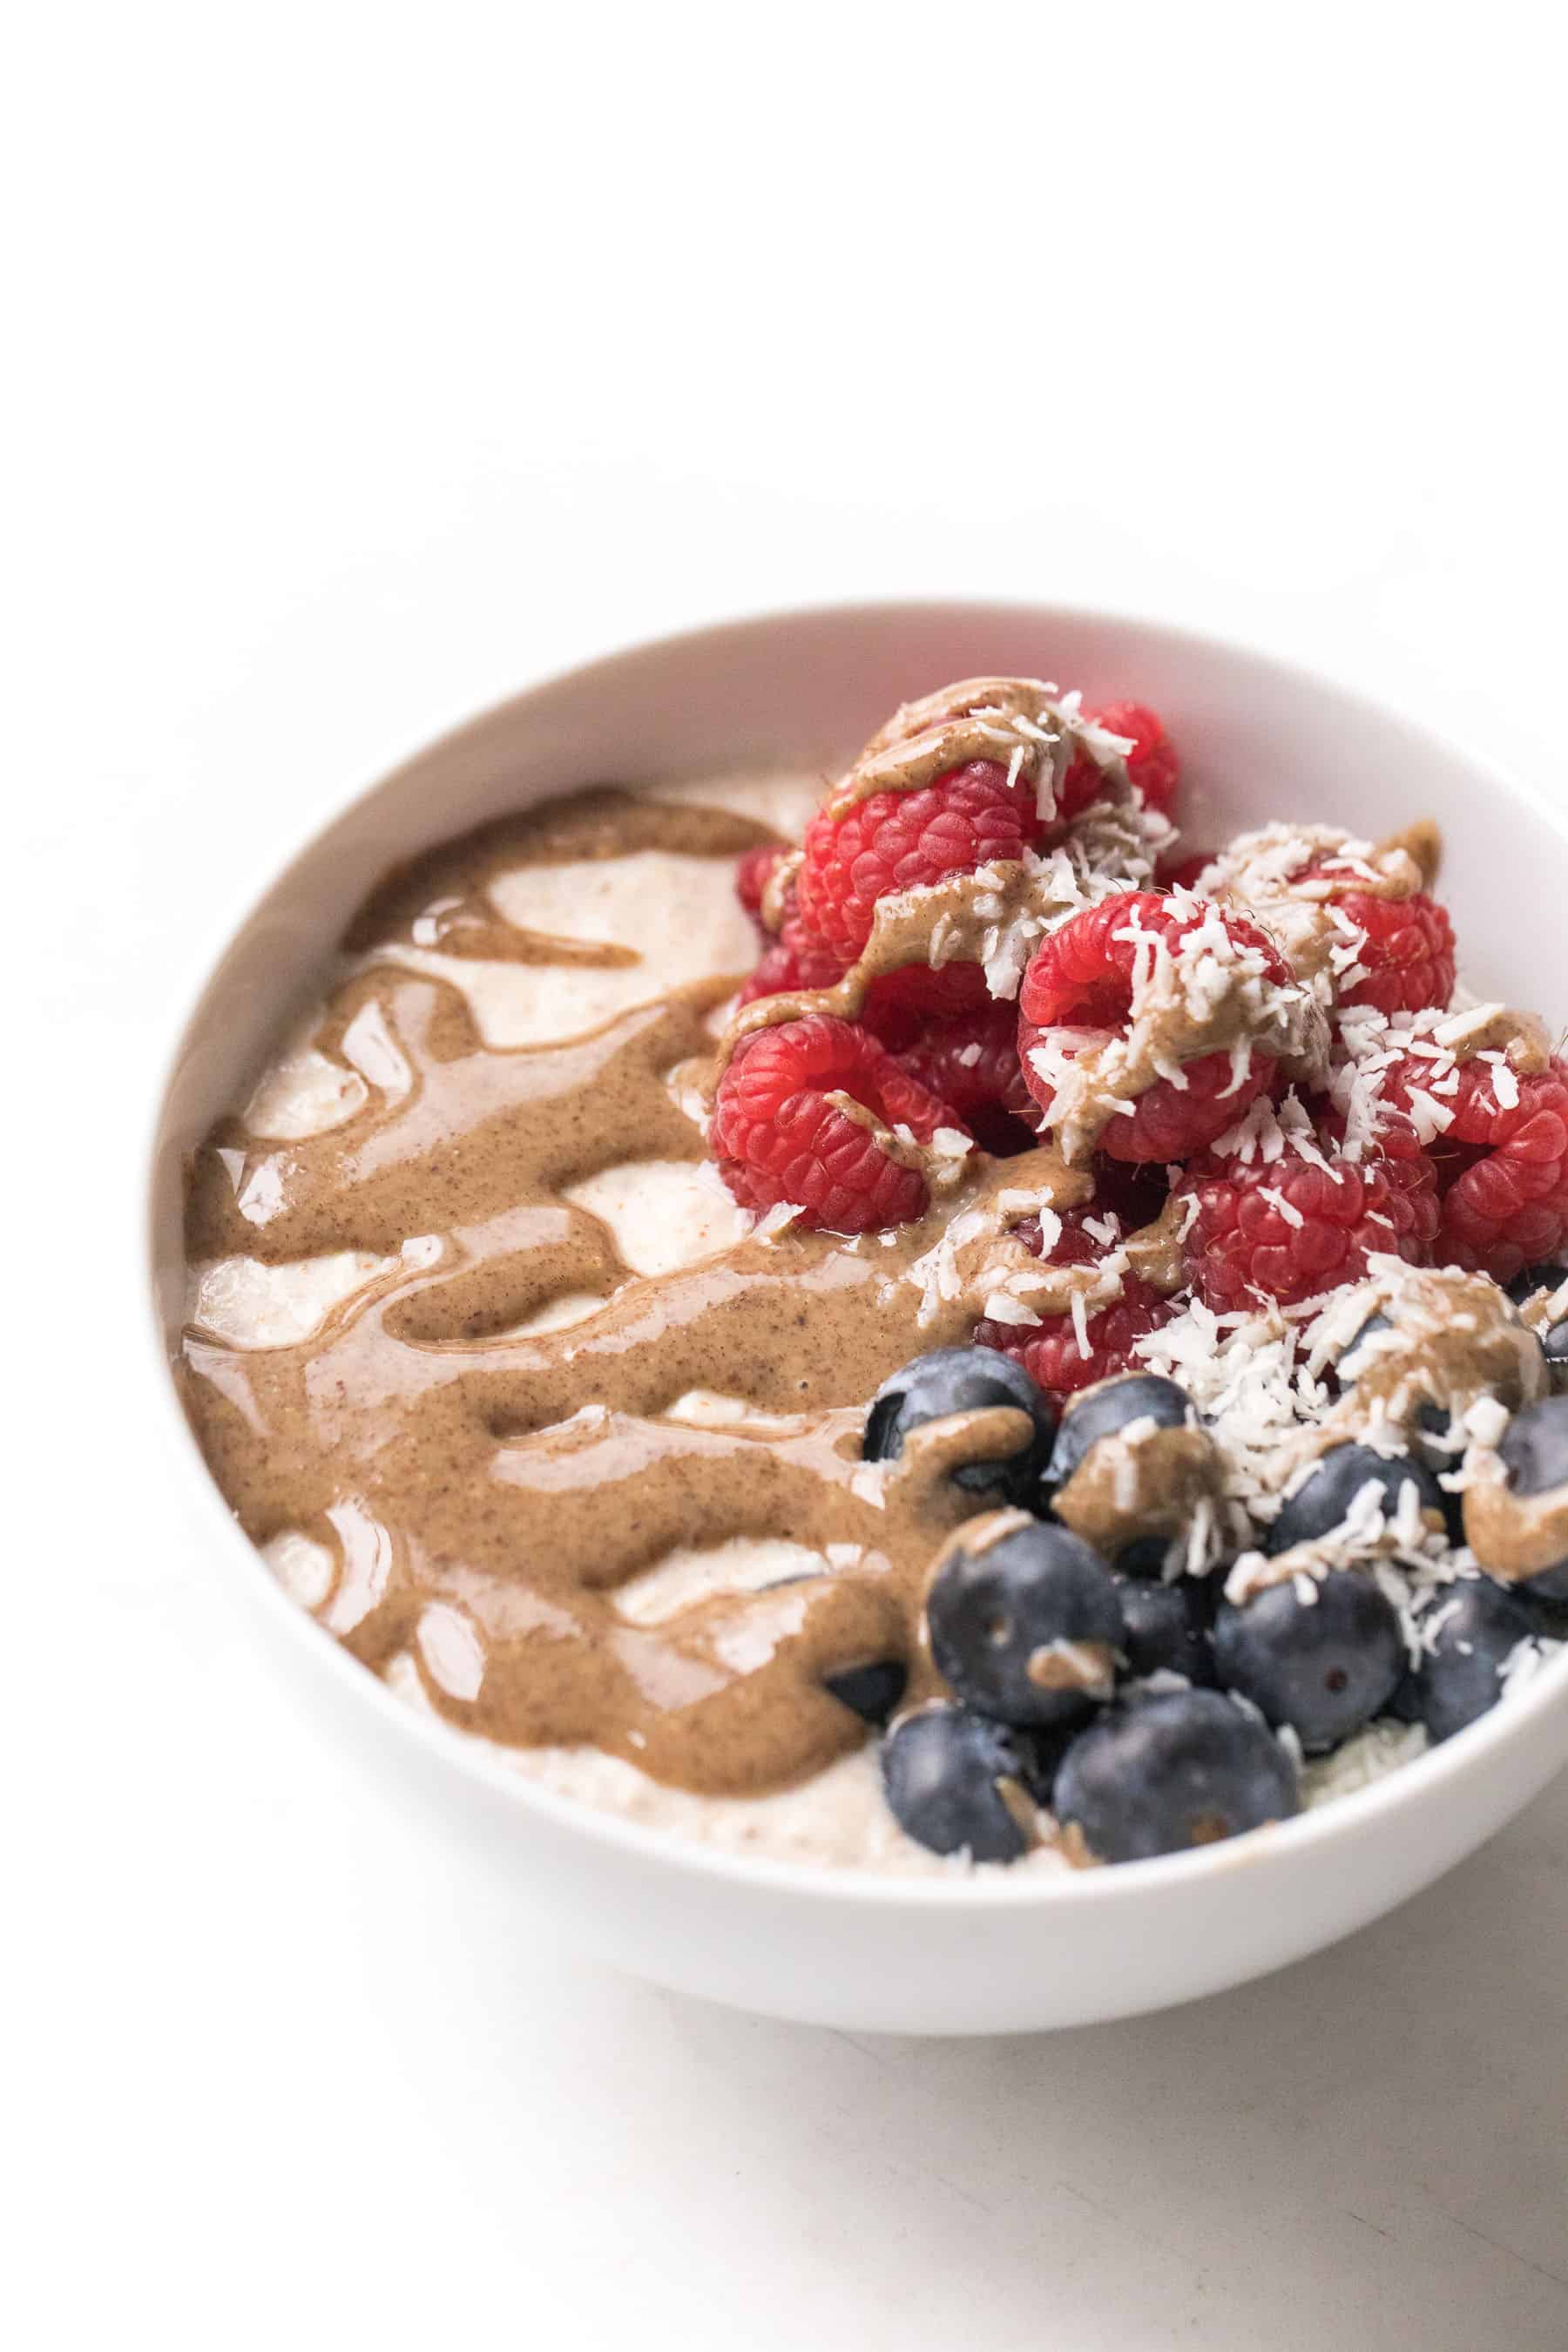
1259,739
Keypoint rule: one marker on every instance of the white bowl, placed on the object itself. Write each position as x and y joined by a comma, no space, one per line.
850,1948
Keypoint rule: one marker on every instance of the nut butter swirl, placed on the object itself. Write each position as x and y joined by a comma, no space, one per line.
485,1492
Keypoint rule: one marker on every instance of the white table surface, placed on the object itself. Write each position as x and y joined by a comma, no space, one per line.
390,359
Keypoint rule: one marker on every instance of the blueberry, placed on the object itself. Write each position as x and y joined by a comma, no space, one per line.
1434,1420
964,1379
1533,1278
1349,1367
1479,1625
1165,1627
995,1615
1534,1446
942,1774
1352,1364
1555,1345
1172,1771
1321,1505
1535,1449
1324,1666
1108,1406
871,1692
1145,1556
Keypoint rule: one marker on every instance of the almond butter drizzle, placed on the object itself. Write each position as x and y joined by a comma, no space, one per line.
1513,1536
449,1464
1139,1483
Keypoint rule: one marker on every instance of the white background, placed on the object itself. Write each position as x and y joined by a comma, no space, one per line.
367,362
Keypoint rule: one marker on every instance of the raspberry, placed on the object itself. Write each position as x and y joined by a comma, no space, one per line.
898,1007
1151,764
1407,953
794,960
777,972
1049,1351
1288,1229
1476,1112
1081,977
903,841
1502,1169
753,874
973,1064
1053,1357
1417,1178
1072,1245
1130,1197
776,1136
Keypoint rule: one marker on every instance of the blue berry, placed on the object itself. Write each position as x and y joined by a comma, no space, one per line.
1108,1406
1534,1446
1145,1556
872,1692
1535,1449
1529,1279
1165,1627
1351,1364
1480,1624
1164,1773
995,1613
943,1774
964,1379
1322,1503
1324,1666
1434,1420
1555,1345
1430,1416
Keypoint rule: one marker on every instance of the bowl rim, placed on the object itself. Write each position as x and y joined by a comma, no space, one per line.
1407,1786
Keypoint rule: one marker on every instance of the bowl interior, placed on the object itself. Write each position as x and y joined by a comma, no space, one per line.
1259,741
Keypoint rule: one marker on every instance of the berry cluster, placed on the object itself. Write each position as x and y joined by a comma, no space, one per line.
1212,1029
948,1033
1250,1064
1145,1710
1252,1067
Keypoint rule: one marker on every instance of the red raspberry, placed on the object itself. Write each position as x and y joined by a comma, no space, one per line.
1503,1173
1244,1247
753,874
902,1004
1415,1177
1133,1196
902,841
794,960
1467,1091
776,1136
973,1064
777,973
1151,764
1081,977
1398,1156
1049,1351
1052,1357
899,1007
1407,954
1072,1245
